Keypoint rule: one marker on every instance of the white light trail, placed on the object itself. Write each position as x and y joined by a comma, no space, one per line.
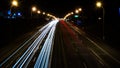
40,30
44,56
24,60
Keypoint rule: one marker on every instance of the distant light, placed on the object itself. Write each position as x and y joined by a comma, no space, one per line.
8,17
14,3
99,18
14,14
38,12
9,12
13,17
48,14
19,14
76,11
98,4
72,13
80,9
43,13
76,16
34,8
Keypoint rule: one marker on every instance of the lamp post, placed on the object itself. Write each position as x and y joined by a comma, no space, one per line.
34,9
14,3
38,12
80,9
76,11
43,13
99,5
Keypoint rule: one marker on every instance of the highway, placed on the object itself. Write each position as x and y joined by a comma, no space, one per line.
60,44
105,54
24,54
75,49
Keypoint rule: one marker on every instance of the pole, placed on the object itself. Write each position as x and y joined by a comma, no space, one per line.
31,14
10,11
103,23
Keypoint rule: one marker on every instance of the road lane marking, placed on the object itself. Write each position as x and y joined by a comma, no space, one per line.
77,30
100,59
103,50
85,66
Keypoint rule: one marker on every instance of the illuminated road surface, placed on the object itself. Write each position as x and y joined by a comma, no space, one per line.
26,57
74,49
62,45
43,58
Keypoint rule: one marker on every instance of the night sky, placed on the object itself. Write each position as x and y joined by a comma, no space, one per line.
61,7
57,7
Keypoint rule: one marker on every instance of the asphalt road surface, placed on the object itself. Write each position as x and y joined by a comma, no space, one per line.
75,49
59,44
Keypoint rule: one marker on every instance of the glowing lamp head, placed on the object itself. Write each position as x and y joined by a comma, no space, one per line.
76,11
80,9
43,13
99,4
34,9
14,3
72,13
38,12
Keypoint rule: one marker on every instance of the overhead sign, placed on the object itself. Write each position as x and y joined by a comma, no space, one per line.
76,16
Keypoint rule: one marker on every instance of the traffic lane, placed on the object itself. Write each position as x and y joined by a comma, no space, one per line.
27,48
23,44
27,56
43,60
72,58
11,59
34,59
58,57
77,54
105,54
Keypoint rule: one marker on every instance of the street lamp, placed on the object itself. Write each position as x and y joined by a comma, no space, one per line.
43,13
67,15
72,13
76,11
34,9
48,14
15,3
80,9
99,5
38,12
